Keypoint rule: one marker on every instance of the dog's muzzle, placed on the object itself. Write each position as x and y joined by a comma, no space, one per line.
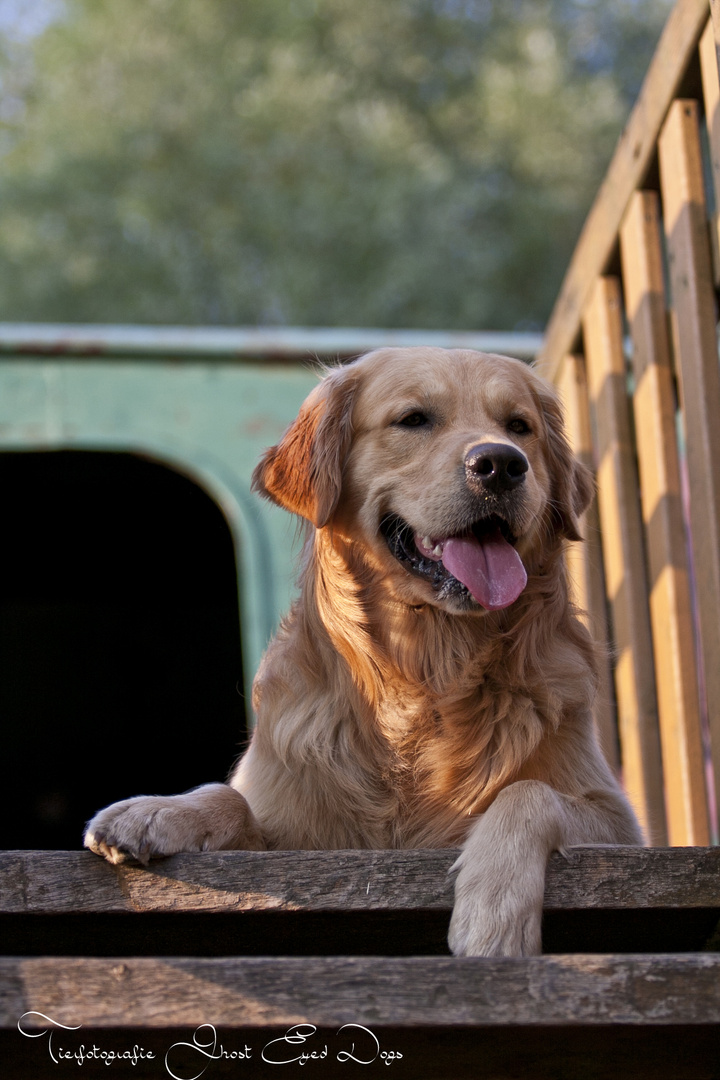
476,560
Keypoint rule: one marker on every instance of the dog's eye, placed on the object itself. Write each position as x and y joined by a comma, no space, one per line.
518,426
414,419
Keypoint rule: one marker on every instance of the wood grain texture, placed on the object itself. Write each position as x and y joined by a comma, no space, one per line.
696,351
257,992
711,98
624,557
584,560
654,409
59,882
629,165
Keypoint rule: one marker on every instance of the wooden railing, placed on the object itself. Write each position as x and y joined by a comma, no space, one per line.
206,962
632,346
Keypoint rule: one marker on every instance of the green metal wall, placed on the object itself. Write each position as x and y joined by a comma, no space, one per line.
209,420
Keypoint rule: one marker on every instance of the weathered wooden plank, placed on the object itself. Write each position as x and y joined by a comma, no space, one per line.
625,174
60,882
715,21
624,558
619,877
694,306
228,881
584,560
670,601
258,992
711,98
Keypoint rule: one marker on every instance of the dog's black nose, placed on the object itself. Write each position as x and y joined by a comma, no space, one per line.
497,466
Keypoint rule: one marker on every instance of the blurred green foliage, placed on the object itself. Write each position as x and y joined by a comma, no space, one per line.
420,163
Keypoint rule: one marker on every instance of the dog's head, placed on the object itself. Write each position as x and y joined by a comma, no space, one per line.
449,469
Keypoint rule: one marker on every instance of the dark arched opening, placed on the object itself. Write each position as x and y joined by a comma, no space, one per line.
119,639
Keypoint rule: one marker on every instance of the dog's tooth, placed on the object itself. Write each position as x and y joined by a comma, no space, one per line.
429,548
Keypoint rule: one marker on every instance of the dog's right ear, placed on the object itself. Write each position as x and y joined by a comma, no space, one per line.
573,485
303,473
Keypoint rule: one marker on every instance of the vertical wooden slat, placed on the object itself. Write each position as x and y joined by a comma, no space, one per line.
584,560
670,603
693,299
711,96
715,20
623,558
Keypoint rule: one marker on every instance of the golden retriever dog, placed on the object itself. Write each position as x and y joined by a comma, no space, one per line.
432,686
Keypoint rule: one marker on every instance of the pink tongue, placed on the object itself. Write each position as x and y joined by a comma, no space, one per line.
491,569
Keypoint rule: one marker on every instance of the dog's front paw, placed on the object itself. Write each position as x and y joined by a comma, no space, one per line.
483,925
496,914
501,872
211,818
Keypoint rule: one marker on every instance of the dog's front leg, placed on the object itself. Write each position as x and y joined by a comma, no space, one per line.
501,881
214,817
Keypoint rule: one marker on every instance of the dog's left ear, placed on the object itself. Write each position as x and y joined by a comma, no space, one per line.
303,473
573,485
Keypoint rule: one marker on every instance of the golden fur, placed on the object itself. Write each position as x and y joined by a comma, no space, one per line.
393,712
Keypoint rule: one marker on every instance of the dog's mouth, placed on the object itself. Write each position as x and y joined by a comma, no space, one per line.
480,562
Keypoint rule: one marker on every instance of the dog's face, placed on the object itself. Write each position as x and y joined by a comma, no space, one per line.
448,468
